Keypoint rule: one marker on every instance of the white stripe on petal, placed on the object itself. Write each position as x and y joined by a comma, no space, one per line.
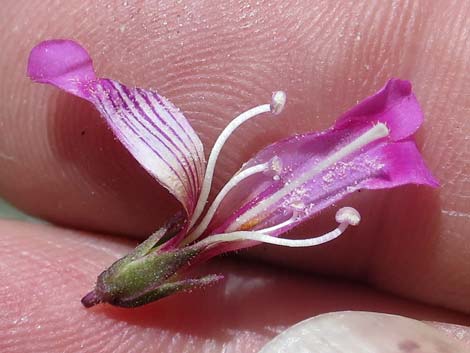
169,150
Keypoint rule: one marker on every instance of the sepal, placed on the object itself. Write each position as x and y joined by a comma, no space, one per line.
148,273
166,289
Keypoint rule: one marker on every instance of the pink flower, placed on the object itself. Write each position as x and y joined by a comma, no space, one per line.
369,147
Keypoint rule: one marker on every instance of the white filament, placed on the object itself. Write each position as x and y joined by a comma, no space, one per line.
281,225
237,179
376,132
348,215
276,105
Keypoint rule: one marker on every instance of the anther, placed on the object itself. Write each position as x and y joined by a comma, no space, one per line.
298,206
278,101
348,215
275,164
274,168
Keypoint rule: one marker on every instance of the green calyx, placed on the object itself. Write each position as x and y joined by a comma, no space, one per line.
148,273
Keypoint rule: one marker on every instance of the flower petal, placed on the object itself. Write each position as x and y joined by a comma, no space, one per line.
384,163
154,131
157,135
395,105
62,63
402,164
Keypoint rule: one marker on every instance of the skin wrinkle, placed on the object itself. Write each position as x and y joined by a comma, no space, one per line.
235,319
91,182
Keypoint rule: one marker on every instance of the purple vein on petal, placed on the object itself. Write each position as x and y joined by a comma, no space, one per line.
133,111
107,113
196,145
170,144
171,134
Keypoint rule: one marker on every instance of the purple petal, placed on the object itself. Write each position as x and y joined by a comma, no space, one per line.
157,135
385,163
62,63
154,131
402,164
395,105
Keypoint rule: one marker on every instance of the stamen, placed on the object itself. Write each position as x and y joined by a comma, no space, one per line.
275,107
236,179
375,133
348,215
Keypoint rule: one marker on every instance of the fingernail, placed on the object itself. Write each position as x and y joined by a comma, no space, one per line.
359,332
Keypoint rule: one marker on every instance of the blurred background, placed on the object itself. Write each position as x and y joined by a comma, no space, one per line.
9,212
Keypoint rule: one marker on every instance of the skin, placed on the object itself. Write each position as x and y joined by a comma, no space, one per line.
59,161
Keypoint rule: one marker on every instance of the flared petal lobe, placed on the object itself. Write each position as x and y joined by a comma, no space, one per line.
154,131
395,105
62,63
385,162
